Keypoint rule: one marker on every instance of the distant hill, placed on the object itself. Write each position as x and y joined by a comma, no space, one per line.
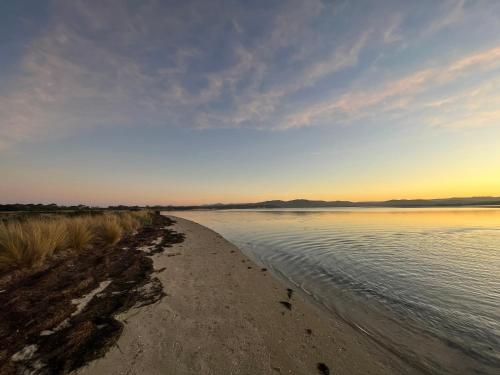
296,203
304,203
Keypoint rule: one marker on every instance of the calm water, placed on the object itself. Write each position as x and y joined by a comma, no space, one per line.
423,283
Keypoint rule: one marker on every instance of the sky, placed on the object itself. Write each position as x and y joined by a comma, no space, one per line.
190,102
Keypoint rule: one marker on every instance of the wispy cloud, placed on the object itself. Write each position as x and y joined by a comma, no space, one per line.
452,11
199,65
397,93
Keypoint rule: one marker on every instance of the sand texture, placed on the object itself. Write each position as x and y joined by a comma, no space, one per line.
223,314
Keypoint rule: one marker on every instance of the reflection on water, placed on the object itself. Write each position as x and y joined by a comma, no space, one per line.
424,283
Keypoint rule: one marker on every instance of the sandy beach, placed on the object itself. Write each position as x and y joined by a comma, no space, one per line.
249,187
223,314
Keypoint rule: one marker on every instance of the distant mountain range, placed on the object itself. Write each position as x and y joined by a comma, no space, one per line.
304,203
296,203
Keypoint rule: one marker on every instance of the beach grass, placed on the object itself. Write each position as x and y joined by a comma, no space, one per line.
130,222
32,241
108,228
79,233
143,216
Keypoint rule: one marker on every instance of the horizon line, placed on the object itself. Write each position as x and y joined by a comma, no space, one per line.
257,202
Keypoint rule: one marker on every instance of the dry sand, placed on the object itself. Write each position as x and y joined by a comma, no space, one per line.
223,315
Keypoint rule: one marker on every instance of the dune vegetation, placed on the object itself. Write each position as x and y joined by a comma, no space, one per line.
30,242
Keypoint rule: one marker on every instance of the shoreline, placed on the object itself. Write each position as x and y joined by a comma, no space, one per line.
222,313
414,311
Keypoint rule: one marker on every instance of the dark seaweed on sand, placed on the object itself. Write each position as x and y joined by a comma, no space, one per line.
40,299
323,369
288,305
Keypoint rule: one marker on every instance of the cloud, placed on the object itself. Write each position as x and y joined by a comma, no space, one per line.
470,108
396,93
203,65
108,64
392,34
474,120
453,12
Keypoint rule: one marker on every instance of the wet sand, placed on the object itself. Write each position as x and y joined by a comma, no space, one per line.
223,314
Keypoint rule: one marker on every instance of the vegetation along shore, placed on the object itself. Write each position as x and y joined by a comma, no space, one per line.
65,278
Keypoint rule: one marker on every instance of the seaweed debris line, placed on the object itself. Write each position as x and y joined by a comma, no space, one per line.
58,317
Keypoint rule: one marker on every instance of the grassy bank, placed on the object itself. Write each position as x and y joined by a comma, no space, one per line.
30,242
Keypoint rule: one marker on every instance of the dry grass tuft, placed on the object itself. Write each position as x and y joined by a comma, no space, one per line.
108,229
48,236
128,222
79,233
29,243
144,217
12,245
